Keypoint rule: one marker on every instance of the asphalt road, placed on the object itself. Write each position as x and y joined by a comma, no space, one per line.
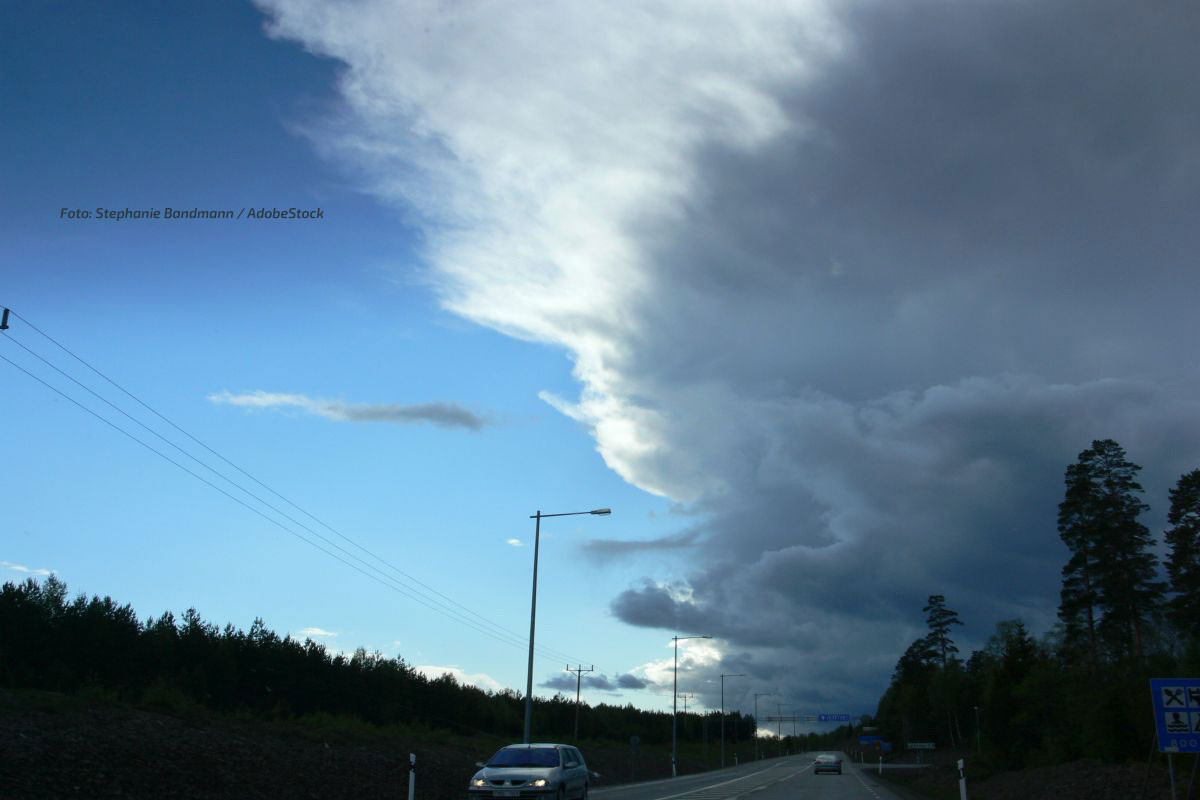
787,778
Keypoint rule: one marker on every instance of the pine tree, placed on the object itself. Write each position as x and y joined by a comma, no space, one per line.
939,618
1110,579
1077,527
1183,558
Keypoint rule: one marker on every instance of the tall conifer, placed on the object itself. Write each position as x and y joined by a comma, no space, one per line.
1183,556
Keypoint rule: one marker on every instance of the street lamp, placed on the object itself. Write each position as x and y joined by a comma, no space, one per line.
675,697
537,538
723,677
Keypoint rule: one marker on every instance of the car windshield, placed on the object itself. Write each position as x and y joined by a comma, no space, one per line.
525,757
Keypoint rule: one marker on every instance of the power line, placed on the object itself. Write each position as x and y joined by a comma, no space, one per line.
504,635
547,651
286,516
384,581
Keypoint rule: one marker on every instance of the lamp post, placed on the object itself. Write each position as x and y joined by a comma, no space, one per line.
675,699
537,538
978,733
723,677
756,696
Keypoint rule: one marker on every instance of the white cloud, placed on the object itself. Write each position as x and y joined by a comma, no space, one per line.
319,633
27,570
514,542
480,680
446,415
696,657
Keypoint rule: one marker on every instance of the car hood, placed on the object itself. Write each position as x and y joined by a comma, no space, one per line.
514,773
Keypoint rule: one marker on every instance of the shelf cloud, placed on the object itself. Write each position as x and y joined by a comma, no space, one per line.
852,282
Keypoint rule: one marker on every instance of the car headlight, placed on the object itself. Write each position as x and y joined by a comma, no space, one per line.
538,782
478,783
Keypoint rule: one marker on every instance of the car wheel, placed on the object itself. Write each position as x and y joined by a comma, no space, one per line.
561,794
585,793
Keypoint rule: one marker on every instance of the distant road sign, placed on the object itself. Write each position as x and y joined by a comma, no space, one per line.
1177,713
833,717
922,746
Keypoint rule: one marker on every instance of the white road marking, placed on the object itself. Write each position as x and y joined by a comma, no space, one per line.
697,792
866,786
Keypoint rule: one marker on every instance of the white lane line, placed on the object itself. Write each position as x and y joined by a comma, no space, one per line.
715,785
866,786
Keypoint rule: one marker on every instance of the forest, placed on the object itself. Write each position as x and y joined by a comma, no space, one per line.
95,647
1082,689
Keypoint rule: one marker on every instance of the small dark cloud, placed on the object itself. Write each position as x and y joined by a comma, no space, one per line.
445,415
595,681
559,682
614,548
628,681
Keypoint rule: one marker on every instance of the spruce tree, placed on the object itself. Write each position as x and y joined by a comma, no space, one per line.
1183,556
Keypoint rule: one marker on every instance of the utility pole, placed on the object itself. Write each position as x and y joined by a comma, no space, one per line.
685,699
756,696
723,677
675,701
578,683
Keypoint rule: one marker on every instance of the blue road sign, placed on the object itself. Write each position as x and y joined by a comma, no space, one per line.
1177,713
833,717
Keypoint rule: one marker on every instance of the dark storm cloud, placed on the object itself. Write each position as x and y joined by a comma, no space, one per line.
971,255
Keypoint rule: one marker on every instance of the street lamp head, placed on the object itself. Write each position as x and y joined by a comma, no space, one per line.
601,511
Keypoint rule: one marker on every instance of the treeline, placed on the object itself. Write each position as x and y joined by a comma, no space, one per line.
1081,690
51,642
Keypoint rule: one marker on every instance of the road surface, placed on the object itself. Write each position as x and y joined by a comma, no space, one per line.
787,778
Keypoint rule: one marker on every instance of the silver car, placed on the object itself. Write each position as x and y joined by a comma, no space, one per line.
549,771
827,762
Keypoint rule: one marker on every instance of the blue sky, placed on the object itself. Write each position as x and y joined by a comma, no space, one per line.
120,108
820,299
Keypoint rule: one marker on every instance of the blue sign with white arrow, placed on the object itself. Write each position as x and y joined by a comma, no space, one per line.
833,717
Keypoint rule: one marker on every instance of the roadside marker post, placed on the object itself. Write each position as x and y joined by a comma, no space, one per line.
412,776
962,781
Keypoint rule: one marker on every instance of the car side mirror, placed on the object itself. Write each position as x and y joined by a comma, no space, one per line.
595,775
572,764
480,764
